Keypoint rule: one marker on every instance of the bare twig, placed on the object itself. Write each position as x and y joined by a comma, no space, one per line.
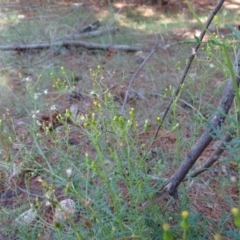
133,78
135,74
225,103
190,60
192,107
207,163
212,159
182,101
89,45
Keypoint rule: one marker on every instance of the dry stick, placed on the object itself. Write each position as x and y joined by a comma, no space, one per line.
207,164
92,34
211,160
134,76
223,108
190,60
76,43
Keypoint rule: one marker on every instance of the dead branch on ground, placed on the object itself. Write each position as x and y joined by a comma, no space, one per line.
75,43
96,33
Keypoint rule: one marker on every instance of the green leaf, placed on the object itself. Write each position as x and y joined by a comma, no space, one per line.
235,33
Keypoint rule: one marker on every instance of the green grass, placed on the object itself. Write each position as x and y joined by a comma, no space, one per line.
114,195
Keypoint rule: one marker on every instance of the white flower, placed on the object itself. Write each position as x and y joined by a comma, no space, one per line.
28,79
94,94
211,65
34,114
21,16
45,91
69,172
38,123
53,107
36,95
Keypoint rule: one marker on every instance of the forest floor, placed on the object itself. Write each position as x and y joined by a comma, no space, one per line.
39,85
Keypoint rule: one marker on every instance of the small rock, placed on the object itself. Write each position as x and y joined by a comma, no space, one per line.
139,57
233,179
224,170
74,109
65,210
26,217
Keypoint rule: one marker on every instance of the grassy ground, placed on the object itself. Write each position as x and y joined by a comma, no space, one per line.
62,136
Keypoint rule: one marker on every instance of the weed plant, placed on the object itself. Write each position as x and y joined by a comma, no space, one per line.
106,172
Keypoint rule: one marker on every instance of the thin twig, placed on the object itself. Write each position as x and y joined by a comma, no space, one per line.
134,76
212,159
182,101
208,135
190,60
192,107
207,163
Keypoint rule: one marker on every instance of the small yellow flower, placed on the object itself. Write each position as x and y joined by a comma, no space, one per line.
166,227
159,120
85,124
40,180
217,237
131,110
235,211
185,214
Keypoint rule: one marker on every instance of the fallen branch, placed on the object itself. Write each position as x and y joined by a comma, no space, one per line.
91,34
224,106
66,43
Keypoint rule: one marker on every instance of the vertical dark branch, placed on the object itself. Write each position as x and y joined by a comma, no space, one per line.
189,63
216,122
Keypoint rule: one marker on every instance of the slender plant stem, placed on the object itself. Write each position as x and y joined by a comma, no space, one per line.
189,63
134,76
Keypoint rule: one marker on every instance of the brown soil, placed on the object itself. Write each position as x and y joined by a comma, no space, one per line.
204,200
